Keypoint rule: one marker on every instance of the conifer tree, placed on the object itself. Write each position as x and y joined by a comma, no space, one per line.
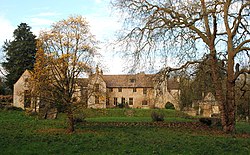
19,53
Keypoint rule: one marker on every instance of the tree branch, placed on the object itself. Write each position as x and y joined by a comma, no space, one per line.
240,47
166,70
238,19
242,71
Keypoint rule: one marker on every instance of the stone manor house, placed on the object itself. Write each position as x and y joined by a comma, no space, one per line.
106,91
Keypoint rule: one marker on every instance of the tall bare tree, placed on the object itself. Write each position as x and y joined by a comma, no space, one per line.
65,53
180,27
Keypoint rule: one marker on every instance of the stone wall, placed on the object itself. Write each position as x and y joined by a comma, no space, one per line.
138,97
96,92
164,95
208,107
20,87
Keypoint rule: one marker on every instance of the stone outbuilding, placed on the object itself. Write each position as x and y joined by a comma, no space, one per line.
22,91
208,107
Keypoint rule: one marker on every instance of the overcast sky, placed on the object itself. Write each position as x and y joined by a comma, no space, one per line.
40,14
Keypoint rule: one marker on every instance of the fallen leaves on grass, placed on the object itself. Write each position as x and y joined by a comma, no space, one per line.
195,128
64,131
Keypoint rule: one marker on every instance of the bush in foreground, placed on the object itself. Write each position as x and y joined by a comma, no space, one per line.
157,117
213,122
169,105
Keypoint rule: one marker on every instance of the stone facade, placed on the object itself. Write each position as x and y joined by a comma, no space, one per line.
208,107
136,91
107,91
21,91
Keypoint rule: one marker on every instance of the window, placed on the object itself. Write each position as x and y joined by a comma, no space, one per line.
144,102
130,101
144,90
96,100
134,89
119,89
107,101
132,80
96,87
110,89
115,101
123,100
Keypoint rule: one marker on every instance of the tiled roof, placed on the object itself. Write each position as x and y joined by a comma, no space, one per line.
82,82
138,80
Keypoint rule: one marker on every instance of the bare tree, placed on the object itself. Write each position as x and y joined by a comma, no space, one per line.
68,48
180,27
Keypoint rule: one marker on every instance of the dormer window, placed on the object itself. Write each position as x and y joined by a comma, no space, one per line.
132,80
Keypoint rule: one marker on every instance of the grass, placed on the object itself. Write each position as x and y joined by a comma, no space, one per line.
22,134
135,119
243,127
130,112
132,115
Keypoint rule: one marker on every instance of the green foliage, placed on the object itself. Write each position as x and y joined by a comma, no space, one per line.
157,117
243,127
215,122
123,105
22,134
79,118
11,108
186,97
194,86
4,90
202,82
169,105
20,53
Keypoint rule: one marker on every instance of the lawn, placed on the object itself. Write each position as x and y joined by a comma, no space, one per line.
103,134
133,115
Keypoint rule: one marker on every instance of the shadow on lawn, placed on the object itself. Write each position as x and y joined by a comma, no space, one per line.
193,128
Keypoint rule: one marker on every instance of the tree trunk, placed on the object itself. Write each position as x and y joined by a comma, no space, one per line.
71,123
230,94
217,82
231,107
